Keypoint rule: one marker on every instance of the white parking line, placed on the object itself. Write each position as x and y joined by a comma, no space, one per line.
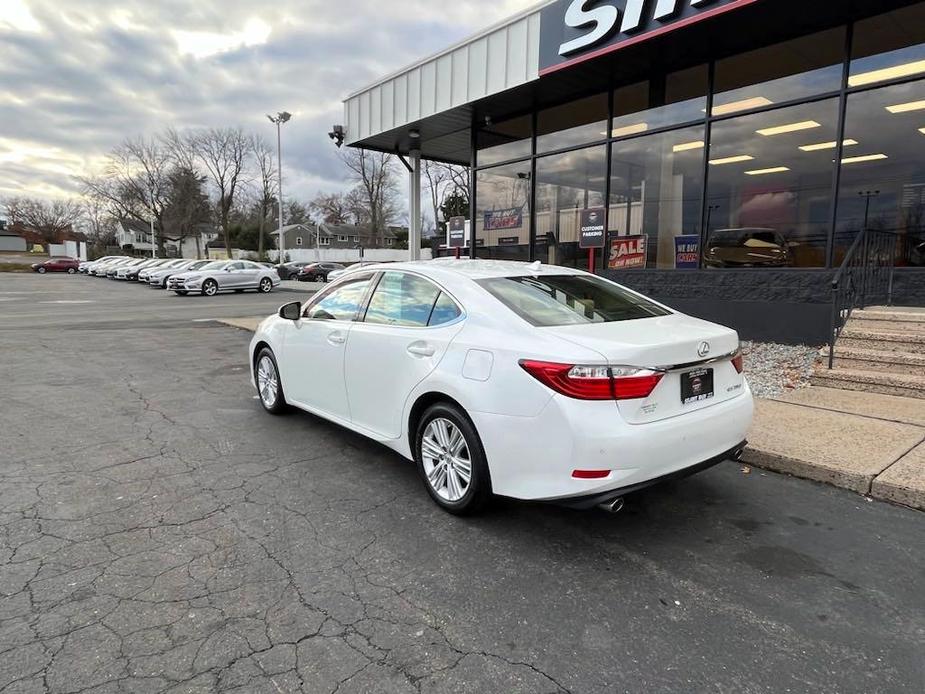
69,301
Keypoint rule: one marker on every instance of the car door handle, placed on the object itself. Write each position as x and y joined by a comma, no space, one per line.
421,349
337,337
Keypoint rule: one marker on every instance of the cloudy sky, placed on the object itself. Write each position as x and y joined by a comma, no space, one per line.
78,76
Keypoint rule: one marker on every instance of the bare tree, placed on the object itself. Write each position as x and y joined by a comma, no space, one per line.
267,186
135,182
332,208
460,179
97,220
437,180
374,176
223,153
49,218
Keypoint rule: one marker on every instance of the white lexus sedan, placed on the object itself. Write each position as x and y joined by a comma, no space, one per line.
522,380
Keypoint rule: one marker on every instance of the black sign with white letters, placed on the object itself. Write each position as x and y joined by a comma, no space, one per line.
575,30
591,228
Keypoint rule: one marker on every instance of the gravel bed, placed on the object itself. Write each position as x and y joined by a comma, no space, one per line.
774,369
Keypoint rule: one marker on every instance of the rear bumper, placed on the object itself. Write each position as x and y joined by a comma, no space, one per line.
533,458
586,502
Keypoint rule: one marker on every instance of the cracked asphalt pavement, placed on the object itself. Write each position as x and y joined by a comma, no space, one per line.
160,533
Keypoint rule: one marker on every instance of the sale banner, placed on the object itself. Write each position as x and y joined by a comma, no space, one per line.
627,252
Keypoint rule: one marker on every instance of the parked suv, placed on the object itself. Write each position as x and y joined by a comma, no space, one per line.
68,265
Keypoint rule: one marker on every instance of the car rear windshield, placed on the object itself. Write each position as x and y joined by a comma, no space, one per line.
551,300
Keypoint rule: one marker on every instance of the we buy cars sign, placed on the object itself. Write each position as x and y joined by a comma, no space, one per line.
627,252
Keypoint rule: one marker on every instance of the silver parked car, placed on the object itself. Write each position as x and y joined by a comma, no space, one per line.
224,275
159,276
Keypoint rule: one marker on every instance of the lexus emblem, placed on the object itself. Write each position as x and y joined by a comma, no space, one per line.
704,349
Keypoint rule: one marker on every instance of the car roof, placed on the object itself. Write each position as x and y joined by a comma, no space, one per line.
476,269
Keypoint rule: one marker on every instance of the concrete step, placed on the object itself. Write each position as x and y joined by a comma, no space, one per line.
871,381
882,340
902,314
855,359
891,326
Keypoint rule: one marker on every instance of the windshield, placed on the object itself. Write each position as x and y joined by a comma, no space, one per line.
214,265
569,300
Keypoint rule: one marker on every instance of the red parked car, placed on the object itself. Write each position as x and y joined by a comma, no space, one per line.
68,265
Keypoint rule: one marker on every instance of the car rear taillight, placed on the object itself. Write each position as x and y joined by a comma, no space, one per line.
575,381
738,361
633,384
594,382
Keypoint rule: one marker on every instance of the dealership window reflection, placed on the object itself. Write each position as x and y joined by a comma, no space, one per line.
783,72
888,47
572,124
769,188
882,183
502,221
566,184
503,141
661,101
656,186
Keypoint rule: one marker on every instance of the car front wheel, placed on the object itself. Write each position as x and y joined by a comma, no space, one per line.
71,271
41,271
210,287
269,385
266,284
451,460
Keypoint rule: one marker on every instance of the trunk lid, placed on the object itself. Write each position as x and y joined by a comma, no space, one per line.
674,342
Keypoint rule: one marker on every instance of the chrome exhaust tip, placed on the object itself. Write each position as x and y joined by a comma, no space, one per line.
612,506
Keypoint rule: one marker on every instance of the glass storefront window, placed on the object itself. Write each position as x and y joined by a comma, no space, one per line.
576,123
504,141
769,187
882,184
502,221
783,72
677,98
888,47
656,186
566,184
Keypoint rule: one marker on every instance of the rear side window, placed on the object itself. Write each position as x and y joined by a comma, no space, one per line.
445,311
569,300
402,299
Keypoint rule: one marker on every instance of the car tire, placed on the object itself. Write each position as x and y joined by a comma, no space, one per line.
265,286
271,396
40,270
209,288
181,292
71,271
442,471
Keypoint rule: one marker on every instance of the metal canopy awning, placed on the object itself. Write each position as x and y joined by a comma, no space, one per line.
495,74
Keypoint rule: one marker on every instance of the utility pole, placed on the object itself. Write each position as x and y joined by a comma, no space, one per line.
279,119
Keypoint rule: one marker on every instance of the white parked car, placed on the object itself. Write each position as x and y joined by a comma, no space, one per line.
225,275
522,380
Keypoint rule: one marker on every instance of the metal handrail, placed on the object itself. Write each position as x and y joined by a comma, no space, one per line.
865,275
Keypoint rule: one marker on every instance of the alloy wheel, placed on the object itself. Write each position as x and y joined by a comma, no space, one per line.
446,459
267,381
210,288
266,285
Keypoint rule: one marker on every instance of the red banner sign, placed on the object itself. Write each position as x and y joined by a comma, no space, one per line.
627,252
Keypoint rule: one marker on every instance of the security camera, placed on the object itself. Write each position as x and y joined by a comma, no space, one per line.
338,135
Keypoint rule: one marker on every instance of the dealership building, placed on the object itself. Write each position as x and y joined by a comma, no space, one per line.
719,155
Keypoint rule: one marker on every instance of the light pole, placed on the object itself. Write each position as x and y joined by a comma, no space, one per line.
279,119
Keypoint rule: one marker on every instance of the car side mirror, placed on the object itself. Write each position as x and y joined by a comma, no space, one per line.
291,311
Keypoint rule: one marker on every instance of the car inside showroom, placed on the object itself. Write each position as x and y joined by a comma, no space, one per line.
729,153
